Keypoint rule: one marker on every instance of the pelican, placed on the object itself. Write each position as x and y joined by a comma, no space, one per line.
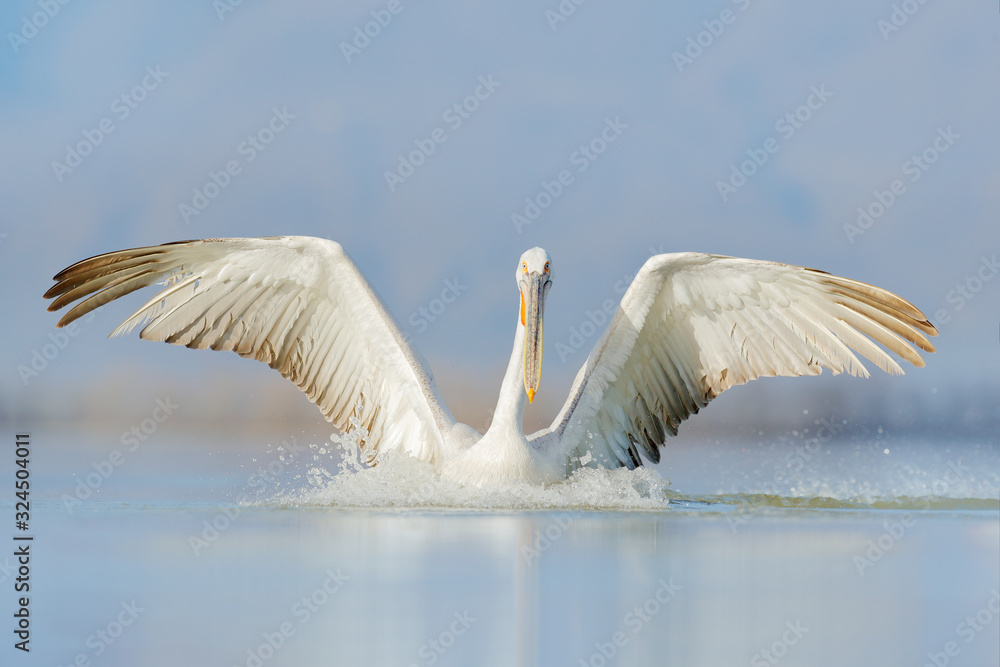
690,326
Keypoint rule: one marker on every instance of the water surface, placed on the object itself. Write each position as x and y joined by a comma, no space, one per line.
791,550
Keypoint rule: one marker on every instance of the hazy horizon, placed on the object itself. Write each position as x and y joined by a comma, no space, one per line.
456,137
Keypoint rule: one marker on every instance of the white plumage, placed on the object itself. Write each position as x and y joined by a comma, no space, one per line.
689,327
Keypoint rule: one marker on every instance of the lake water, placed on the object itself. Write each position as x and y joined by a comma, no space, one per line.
833,548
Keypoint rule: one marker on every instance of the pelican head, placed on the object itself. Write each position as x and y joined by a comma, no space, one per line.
534,277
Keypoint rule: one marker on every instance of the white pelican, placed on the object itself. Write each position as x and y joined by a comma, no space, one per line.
689,327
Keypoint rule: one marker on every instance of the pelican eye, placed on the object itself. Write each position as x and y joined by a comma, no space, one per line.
546,267
524,267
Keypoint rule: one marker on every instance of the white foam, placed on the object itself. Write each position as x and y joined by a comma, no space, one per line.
918,475
402,481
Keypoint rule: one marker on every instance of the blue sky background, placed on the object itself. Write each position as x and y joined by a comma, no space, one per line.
655,187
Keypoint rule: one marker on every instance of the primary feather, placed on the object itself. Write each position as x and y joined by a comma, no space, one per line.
299,305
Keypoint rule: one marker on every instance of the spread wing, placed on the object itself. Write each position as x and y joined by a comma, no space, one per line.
296,303
692,325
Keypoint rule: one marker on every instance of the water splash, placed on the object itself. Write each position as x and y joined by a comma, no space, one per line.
916,477
400,480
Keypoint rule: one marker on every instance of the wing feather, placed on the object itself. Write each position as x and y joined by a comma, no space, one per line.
693,325
298,304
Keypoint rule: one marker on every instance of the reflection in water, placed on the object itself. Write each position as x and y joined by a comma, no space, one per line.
703,571
543,587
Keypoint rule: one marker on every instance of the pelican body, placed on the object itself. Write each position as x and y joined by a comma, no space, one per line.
690,326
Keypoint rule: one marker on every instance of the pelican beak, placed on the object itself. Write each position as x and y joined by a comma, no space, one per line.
534,287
